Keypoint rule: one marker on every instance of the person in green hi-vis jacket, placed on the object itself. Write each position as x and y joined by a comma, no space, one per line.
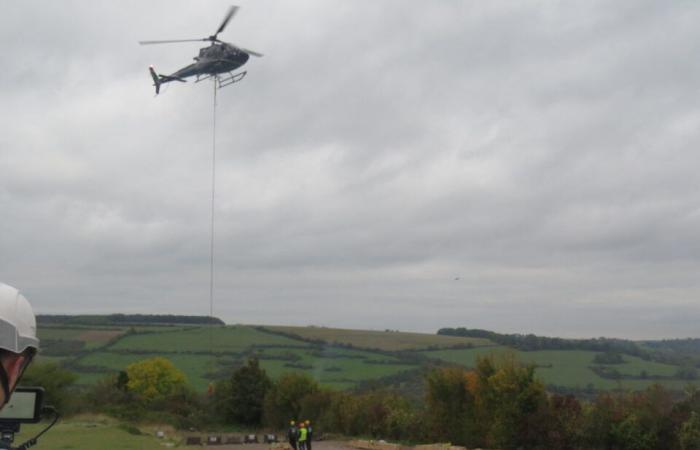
303,435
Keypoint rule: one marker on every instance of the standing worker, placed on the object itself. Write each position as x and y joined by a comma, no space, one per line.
303,436
18,341
309,434
292,435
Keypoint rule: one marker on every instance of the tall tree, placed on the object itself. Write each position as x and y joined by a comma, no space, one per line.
246,392
450,405
284,401
508,400
689,434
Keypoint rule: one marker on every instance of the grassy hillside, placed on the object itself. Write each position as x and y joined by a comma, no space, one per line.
228,339
391,341
93,434
211,352
573,368
336,358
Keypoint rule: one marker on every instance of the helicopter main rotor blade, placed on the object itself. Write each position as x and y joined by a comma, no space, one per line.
172,41
250,52
231,12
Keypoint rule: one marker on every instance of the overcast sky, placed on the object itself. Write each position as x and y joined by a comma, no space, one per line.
515,166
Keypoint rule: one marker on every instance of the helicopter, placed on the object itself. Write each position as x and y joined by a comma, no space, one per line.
217,61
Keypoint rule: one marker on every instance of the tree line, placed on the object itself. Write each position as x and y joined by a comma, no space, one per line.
498,404
681,352
126,319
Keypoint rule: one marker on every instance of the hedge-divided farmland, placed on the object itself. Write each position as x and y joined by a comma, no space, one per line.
341,359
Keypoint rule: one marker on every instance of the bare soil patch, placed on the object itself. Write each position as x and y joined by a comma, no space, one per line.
99,335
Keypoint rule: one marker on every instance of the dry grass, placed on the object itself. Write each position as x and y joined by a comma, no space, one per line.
380,340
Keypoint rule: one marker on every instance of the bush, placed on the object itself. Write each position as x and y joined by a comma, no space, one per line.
56,382
689,434
130,429
608,358
154,379
283,401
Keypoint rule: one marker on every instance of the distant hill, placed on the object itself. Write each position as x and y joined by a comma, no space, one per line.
94,347
531,342
127,319
682,352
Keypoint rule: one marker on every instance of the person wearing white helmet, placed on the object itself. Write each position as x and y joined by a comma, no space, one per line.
18,341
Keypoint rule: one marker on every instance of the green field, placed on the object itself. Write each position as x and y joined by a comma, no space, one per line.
208,353
392,341
334,357
571,368
90,337
195,367
338,371
205,339
99,434
356,368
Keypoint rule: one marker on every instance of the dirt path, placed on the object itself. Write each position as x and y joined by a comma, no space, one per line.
317,445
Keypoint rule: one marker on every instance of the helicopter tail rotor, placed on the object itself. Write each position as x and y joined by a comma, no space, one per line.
160,79
156,79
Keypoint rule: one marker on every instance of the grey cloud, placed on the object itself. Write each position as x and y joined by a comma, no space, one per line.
544,153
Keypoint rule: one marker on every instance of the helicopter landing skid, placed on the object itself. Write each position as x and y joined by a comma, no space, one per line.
223,80
230,78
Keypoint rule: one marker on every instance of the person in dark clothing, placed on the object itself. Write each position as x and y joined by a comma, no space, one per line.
309,434
293,435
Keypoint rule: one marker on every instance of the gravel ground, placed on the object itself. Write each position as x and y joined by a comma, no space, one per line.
317,445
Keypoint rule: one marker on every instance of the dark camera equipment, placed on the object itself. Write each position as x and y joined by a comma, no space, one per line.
25,406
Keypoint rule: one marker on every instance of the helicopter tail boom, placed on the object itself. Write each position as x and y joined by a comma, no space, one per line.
160,79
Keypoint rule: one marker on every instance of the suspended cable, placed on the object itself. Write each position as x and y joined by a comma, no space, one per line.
211,242
213,198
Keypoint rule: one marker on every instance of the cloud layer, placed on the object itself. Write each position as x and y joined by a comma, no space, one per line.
544,154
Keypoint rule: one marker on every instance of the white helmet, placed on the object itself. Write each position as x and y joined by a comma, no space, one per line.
17,321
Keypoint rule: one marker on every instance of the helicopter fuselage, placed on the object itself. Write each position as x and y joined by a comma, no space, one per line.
213,60
217,61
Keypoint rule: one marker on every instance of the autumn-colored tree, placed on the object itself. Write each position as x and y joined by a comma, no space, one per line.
317,407
630,434
154,379
508,399
284,400
599,418
450,406
562,422
343,414
653,408
689,433
385,415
